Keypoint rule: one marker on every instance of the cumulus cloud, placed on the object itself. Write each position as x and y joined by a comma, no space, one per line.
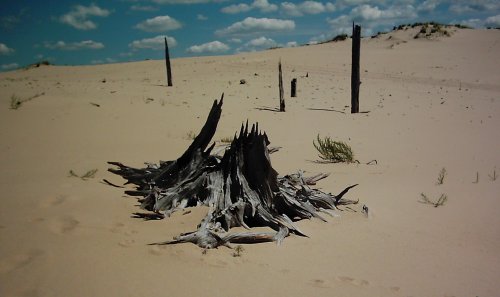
71,46
209,47
5,50
261,42
462,6
292,44
10,66
78,16
306,7
493,21
154,43
184,1
159,24
252,25
262,5
372,16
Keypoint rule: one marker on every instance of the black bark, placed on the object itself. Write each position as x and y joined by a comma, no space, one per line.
241,188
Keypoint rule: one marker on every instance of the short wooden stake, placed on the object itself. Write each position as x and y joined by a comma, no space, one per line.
294,88
282,93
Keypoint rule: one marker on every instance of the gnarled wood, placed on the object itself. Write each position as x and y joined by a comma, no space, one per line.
241,189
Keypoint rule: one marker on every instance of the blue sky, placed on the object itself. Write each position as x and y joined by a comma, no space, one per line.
80,32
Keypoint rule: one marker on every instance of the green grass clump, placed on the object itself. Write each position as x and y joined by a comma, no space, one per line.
333,151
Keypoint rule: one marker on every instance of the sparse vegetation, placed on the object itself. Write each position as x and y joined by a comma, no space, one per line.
238,251
441,176
16,102
494,176
333,151
38,64
441,201
89,174
191,135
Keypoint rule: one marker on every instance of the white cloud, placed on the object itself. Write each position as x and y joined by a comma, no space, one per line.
154,43
235,40
262,5
159,24
370,17
292,44
236,8
253,25
184,1
261,42
143,8
463,6
257,44
201,17
78,16
10,66
5,50
86,44
493,21
473,23
428,5
210,47
306,7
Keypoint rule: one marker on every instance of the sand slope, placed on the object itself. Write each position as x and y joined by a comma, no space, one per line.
430,104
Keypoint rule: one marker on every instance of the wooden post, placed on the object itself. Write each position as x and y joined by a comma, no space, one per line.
167,61
355,80
282,93
294,88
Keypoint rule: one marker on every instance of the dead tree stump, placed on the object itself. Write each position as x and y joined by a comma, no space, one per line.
241,188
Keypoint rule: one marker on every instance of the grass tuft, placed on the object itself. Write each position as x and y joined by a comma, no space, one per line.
441,201
89,174
441,176
238,251
333,151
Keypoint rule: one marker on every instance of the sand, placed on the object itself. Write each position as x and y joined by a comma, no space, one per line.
426,105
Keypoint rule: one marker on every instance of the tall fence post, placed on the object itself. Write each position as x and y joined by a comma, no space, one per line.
294,88
282,93
167,61
355,79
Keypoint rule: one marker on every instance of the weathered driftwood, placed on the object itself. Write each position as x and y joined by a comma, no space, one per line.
241,189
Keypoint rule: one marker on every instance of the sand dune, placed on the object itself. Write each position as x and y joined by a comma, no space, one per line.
428,104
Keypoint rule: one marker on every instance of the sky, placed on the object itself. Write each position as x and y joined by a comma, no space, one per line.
80,32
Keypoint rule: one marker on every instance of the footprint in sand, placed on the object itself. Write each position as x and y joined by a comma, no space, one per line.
126,242
19,261
63,225
53,201
320,283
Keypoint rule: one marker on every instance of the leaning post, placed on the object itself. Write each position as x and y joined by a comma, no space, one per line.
355,79
167,61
